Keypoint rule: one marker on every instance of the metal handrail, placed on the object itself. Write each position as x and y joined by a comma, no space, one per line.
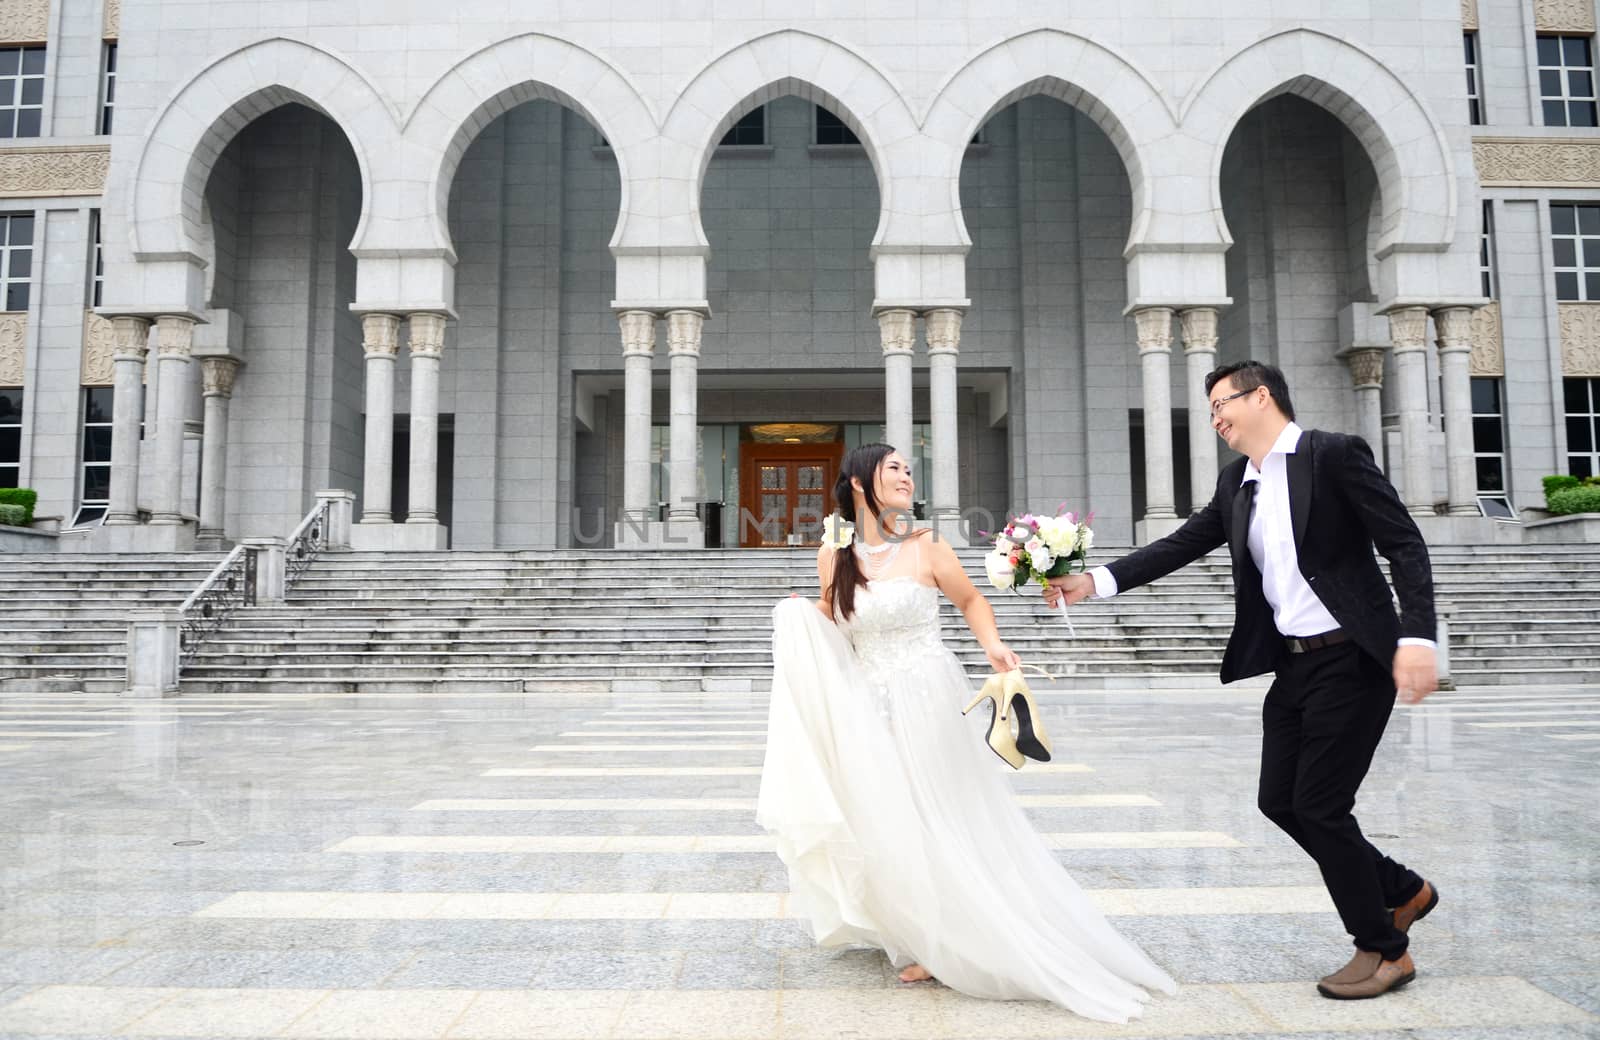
230,586
306,543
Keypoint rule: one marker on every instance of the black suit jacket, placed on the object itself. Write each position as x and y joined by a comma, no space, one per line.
1340,504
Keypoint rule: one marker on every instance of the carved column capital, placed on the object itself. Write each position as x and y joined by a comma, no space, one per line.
638,333
897,331
380,335
1366,367
1199,325
1408,329
1454,328
1153,326
427,334
177,335
683,333
217,375
944,331
132,337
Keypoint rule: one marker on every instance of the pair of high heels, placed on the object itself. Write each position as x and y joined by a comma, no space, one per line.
1010,698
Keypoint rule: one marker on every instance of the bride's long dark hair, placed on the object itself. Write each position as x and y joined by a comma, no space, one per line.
862,464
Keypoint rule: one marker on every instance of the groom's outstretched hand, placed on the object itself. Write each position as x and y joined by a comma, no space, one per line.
1416,672
1071,587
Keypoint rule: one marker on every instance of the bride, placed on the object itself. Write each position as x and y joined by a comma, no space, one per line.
895,820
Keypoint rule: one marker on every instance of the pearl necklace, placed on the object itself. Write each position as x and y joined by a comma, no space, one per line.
876,559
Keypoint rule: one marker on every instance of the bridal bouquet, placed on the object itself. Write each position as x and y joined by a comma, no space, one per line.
1037,548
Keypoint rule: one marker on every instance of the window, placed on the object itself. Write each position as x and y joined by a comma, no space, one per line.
831,129
21,91
1575,246
1489,436
16,260
750,129
98,278
1583,402
1566,81
1474,89
108,86
95,493
1486,272
10,436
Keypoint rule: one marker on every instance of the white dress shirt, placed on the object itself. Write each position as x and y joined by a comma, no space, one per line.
1296,610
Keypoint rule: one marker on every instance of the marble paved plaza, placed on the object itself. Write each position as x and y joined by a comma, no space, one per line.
588,866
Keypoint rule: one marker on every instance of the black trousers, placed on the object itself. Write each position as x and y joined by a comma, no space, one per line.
1321,723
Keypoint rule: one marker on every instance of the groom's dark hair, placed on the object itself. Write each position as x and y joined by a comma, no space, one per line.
1247,375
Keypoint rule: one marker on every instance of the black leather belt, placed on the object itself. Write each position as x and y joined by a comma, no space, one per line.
1300,644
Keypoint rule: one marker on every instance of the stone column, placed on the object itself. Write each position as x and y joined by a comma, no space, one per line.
427,347
638,350
380,341
154,647
341,510
272,568
1200,356
1154,326
1454,326
166,493
132,337
897,330
683,348
1366,372
1408,329
944,343
217,374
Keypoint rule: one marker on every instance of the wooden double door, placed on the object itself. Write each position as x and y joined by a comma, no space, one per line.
785,491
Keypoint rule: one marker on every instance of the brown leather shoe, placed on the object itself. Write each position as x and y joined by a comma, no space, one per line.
1390,975
1417,907
1361,967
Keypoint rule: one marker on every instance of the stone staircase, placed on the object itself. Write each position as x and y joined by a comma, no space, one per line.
585,621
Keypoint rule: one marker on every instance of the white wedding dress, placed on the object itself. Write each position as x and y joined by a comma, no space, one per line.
899,827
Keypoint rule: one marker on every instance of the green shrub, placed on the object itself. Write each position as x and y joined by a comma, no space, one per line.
1575,500
1559,483
15,516
24,497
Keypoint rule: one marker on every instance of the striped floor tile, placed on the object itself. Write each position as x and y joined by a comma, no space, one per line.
1031,801
691,843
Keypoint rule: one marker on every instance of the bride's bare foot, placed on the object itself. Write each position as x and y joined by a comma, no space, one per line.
915,973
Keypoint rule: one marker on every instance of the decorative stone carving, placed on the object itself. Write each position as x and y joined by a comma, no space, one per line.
1563,16
638,333
1153,326
1488,345
683,333
111,21
1199,326
944,331
897,331
53,172
24,21
99,348
1580,339
1469,15
216,375
380,335
132,336
176,337
1454,326
1366,367
1522,162
427,335
1408,329
13,334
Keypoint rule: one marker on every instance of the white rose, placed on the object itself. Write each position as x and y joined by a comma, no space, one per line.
1085,537
1004,545
1001,573
837,533
1061,536
1043,559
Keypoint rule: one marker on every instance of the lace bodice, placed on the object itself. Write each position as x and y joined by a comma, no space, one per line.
896,620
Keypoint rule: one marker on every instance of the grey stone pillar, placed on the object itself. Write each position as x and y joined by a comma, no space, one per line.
176,336
944,344
897,331
1366,372
1408,329
638,351
1200,356
380,341
683,348
132,338
341,511
427,347
272,568
1454,326
154,642
1154,328
217,375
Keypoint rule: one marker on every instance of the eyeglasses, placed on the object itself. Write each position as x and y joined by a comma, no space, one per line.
1216,406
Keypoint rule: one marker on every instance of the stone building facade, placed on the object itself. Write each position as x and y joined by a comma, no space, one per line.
529,276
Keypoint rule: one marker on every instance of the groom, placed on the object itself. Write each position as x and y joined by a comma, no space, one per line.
1300,513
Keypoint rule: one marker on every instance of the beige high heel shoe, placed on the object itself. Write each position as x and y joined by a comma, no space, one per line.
1010,697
